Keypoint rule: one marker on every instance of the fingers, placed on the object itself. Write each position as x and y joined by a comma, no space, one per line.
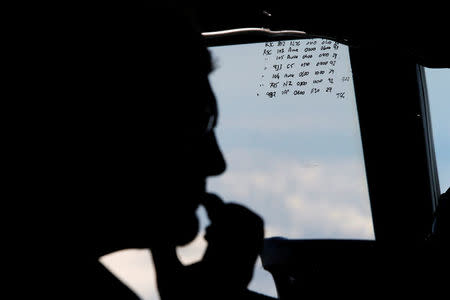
213,204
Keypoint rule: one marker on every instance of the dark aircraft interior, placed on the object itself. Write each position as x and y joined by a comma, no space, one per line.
389,46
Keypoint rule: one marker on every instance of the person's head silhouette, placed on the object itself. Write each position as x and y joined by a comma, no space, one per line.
123,140
126,148
143,138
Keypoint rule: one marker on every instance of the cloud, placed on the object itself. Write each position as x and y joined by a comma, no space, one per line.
300,199
194,251
297,199
134,268
285,123
262,281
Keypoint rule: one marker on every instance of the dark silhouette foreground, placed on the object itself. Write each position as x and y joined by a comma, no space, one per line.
122,147
115,149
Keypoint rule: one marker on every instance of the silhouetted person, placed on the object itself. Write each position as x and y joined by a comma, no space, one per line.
121,142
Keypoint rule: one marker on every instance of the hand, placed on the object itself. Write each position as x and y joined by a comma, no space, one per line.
235,239
235,236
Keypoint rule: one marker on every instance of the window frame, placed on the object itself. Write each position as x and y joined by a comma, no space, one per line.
408,112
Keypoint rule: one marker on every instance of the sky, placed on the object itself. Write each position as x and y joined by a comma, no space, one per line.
438,85
295,160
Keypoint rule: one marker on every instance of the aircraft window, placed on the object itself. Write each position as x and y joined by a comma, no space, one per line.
438,86
289,130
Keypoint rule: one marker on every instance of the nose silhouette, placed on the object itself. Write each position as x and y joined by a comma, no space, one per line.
215,163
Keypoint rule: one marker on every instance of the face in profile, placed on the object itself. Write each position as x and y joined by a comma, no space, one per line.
196,154
150,146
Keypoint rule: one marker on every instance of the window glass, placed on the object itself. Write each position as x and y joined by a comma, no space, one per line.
438,86
289,130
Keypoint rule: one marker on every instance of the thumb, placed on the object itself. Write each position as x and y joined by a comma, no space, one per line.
213,205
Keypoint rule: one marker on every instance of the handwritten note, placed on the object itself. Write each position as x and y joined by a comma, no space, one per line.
303,68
